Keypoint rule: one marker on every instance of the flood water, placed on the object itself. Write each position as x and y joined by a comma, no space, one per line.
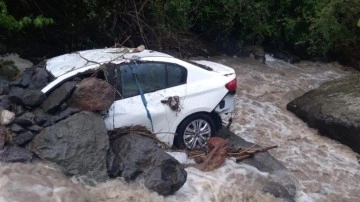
323,169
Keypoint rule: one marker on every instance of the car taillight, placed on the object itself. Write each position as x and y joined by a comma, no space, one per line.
231,86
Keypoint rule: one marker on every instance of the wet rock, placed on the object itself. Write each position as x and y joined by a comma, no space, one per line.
334,109
34,128
165,178
4,87
6,117
41,116
262,160
57,97
282,184
5,103
19,110
40,78
135,156
25,120
16,128
24,81
286,56
15,154
23,138
20,63
79,144
2,137
93,94
278,191
65,114
26,97
8,69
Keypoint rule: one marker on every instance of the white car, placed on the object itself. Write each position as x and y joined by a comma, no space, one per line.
180,101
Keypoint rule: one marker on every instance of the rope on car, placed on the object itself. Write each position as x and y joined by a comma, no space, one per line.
141,94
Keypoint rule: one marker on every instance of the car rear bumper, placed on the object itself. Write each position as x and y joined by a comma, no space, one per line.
226,105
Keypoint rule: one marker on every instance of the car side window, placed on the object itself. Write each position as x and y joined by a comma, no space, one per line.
151,76
176,75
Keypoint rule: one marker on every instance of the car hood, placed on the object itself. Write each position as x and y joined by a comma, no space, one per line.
216,67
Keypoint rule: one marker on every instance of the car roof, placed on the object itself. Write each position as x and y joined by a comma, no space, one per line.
63,64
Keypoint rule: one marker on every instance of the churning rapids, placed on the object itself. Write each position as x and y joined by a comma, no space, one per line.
324,170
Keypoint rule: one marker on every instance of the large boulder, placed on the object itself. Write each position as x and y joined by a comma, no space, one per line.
79,144
334,109
93,94
136,156
281,183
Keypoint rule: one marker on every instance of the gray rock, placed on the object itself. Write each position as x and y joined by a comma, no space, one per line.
79,144
25,79
40,78
23,138
19,109
34,128
5,103
334,109
65,114
26,97
278,191
2,137
282,184
135,156
4,86
20,63
26,119
16,128
57,97
41,117
165,178
15,154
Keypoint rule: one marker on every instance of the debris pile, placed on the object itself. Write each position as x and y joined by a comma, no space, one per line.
219,150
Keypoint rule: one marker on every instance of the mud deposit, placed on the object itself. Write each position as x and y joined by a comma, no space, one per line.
324,170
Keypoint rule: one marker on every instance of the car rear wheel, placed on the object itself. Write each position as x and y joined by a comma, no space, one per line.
194,132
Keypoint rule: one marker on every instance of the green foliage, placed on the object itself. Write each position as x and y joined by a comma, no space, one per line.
8,69
320,28
332,27
9,22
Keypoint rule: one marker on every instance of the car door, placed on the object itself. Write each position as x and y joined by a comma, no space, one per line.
134,84
153,83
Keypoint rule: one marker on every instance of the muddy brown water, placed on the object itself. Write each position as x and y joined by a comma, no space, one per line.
325,170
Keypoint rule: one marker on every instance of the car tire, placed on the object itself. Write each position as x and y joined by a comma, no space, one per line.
194,132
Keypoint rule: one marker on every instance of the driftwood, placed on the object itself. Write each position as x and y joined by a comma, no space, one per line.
141,130
207,161
210,158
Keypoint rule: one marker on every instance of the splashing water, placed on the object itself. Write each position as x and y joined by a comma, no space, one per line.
325,170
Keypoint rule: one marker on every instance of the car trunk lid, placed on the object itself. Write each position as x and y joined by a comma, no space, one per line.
216,67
